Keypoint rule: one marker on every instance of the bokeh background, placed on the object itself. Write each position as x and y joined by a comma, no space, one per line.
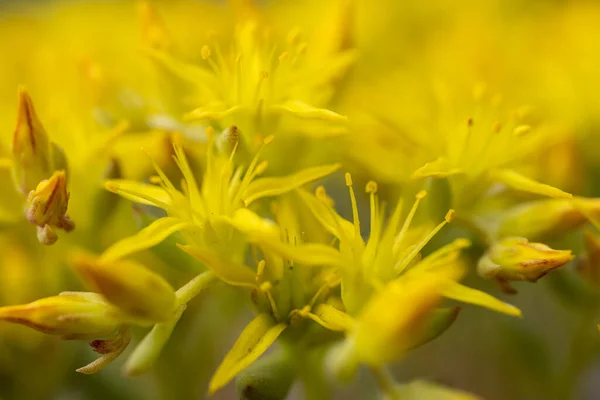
417,61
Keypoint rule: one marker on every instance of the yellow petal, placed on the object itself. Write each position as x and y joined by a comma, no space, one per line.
254,340
465,294
517,181
274,186
228,271
438,168
305,111
329,218
306,254
148,237
142,193
389,322
213,112
332,318
188,72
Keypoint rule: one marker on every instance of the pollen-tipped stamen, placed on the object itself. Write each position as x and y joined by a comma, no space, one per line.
355,217
419,246
420,196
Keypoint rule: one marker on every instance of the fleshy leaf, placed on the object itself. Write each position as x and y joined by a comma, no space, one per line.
332,318
148,237
274,186
228,271
517,181
465,294
254,340
142,193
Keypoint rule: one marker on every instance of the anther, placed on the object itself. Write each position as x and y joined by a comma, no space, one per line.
205,52
348,179
371,187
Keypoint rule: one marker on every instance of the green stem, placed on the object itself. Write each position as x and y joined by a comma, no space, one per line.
386,382
149,349
193,288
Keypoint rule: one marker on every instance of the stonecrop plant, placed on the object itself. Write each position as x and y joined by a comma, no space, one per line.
285,199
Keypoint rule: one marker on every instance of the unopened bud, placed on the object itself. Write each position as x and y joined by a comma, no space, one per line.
142,295
35,157
72,315
269,378
439,321
30,146
516,259
229,140
544,219
47,207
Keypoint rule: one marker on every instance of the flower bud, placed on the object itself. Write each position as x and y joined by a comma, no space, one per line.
30,146
515,259
72,315
35,156
269,378
47,206
439,321
544,219
142,295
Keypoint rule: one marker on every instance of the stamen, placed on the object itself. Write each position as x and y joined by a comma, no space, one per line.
284,56
301,49
354,205
206,55
266,288
262,77
205,52
321,194
371,188
260,168
522,130
420,196
155,179
446,253
249,175
293,36
184,188
497,127
419,246
260,270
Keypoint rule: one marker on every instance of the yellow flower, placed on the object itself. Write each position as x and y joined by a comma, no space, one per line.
389,251
225,188
516,259
263,75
